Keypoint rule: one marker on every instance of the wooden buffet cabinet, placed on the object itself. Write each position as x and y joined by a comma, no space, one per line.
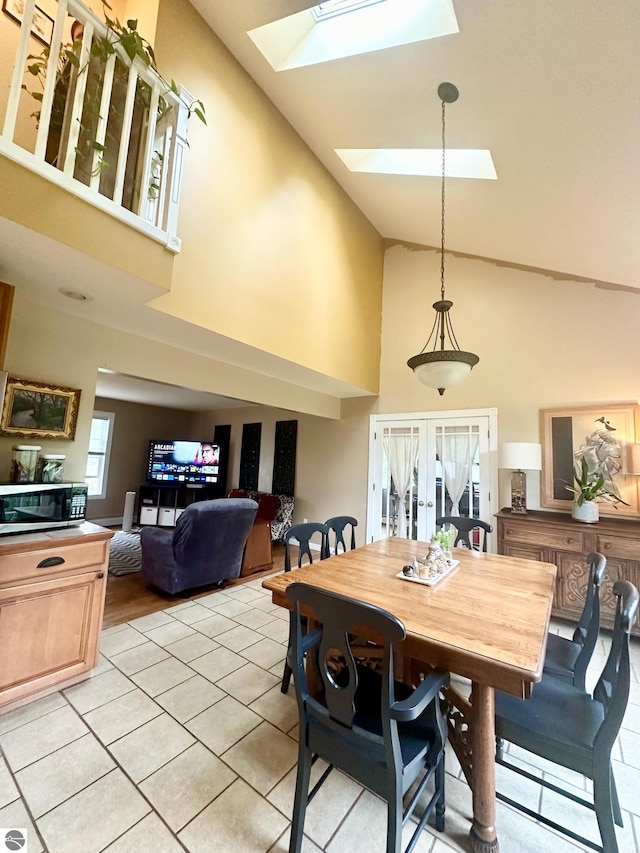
52,590
555,537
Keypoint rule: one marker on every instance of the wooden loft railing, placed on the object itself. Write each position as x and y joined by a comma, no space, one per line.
112,134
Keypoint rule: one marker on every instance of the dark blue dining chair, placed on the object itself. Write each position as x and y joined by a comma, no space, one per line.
337,526
384,735
464,526
569,727
569,659
302,536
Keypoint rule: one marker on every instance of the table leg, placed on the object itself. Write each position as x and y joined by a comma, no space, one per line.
483,836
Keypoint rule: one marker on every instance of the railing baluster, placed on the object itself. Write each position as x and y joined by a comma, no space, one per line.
50,82
143,199
125,134
165,166
170,221
78,101
103,116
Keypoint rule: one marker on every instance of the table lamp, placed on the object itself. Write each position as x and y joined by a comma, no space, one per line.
520,456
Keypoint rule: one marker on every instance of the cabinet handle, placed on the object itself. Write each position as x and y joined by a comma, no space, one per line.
100,575
50,561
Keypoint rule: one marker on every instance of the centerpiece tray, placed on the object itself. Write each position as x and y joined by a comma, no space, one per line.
432,580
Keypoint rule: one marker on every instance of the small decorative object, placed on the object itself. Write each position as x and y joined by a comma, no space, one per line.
436,561
24,460
38,410
408,571
50,467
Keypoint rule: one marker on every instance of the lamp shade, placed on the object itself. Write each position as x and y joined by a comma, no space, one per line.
520,455
441,369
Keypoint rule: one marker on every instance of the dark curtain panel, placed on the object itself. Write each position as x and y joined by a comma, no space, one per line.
222,437
250,457
284,458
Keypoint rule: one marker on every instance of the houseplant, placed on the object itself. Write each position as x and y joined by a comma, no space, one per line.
93,156
588,490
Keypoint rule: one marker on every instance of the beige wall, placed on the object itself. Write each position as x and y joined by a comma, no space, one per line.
48,346
542,343
331,457
134,425
274,253
264,223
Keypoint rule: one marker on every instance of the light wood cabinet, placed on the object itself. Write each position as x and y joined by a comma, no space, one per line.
52,589
556,538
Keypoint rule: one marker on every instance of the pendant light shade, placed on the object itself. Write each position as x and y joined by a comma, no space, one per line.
445,364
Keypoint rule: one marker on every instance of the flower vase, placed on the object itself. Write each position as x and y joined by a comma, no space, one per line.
588,512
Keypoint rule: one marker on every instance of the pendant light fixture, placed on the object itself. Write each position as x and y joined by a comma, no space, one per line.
446,365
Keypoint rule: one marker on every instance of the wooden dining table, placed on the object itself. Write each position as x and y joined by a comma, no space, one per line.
487,620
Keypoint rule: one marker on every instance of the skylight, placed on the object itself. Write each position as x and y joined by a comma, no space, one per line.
339,7
327,32
459,162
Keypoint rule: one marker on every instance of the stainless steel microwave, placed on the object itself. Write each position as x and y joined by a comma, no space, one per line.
27,507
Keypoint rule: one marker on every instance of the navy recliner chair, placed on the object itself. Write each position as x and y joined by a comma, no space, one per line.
205,547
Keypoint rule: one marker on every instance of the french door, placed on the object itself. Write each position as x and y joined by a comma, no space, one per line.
425,465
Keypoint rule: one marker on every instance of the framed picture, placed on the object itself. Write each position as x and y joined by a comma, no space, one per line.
37,410
42,24
603,435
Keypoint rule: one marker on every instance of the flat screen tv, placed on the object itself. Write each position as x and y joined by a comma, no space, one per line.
173,462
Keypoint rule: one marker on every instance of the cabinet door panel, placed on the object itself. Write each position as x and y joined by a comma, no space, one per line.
616,570
572,589
48,632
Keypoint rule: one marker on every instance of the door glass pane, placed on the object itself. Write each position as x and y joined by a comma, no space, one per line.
458,470
399,481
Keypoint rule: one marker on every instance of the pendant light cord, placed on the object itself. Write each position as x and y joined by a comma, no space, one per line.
442,212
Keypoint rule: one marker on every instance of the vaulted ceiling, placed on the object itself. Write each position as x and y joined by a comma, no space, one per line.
551,88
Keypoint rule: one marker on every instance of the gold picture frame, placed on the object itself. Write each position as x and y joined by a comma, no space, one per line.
39,410
567,431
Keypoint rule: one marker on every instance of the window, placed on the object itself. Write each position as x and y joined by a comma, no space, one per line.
99,450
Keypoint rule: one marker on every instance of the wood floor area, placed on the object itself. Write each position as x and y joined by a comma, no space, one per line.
129,598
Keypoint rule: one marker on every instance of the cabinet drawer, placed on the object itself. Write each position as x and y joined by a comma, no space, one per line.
619,546
16,567
543,537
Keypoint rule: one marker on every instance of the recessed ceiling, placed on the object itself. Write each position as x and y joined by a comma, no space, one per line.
118,386
548,87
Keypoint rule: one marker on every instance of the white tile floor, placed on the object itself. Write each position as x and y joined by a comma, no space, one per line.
181,740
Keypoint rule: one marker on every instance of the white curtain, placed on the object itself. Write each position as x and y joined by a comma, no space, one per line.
402,453
457,452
